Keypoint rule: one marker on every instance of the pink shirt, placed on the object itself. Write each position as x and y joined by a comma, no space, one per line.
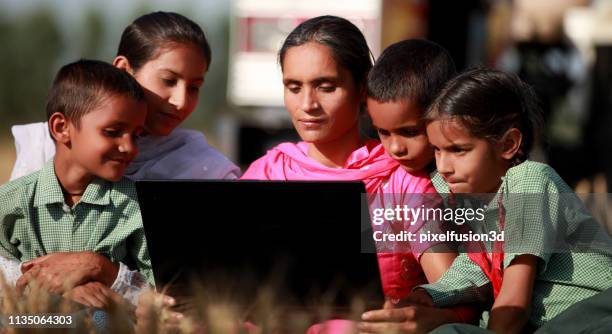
387,183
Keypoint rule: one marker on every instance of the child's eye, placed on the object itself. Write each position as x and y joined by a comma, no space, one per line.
194,89
111,133
169,82
409,132
382,132
327,89
294,89
458,150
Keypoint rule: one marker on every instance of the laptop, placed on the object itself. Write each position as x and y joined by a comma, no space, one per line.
301,244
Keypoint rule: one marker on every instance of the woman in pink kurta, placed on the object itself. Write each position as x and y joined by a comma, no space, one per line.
325,61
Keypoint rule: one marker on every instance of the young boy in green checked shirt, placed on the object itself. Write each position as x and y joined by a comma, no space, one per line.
77,220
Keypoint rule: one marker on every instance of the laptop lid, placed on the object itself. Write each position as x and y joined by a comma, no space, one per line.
302,241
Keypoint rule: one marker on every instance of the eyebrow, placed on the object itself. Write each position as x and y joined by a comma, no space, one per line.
116,123
315,82
201,78
406,127
453,145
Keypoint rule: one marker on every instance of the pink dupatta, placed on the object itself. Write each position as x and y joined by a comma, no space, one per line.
400,272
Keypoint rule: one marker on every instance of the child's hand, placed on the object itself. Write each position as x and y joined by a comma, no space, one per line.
409,319
93,294
417,297
60,272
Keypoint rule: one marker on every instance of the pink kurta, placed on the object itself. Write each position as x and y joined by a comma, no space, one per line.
385,182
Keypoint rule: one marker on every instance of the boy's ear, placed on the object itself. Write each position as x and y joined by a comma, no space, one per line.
122,63
59,128
511,143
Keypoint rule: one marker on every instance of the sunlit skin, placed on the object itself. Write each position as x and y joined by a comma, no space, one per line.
172,83
402,133
467,163
102,144
323,102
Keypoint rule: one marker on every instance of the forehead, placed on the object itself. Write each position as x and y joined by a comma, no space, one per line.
180,58
393,114
117,109
448,132
310,61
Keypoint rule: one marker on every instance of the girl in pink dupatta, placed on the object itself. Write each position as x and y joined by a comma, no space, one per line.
325,61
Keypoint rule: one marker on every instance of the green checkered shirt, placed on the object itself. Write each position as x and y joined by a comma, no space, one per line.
541,210
34,220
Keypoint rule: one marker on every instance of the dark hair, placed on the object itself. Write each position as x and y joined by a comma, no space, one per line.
488,103
82,86
343,38
142,40
413,69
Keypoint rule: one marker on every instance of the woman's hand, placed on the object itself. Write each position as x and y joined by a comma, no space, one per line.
60,272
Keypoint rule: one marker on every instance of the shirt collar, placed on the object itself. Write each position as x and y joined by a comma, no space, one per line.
97,192
49,191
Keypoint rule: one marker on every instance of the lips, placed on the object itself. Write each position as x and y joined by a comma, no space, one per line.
120,160
311,122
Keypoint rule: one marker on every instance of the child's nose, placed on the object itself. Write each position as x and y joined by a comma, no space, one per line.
443,164
179,97
128,145
397,148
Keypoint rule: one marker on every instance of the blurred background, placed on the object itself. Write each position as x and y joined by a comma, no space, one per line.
563,48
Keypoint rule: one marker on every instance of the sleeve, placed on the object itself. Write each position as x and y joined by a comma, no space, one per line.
129,283
11,270
140,254
535,222
10,213
33,146
233,173
136,243
212,164
464,282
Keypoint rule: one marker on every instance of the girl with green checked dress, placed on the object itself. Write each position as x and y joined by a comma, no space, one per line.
553,271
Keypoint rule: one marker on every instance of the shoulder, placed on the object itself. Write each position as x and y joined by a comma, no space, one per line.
270,165
17,193
184,154
19,185
187,135
439,183
411,182
534,177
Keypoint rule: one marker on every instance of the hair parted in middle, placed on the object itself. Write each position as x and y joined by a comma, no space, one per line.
343,38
